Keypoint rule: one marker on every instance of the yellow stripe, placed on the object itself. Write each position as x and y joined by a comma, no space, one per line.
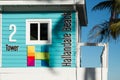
41,56
31,51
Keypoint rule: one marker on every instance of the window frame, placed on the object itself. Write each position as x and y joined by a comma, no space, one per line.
38,21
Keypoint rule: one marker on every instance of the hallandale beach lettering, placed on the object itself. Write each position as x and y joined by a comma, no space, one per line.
66,56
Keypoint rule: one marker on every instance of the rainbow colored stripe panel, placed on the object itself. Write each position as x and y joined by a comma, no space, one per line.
32,55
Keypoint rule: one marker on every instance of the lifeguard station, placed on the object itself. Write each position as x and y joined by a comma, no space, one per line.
40,40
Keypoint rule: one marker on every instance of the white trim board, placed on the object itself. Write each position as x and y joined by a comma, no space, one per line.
0,39
77,46
52,73
43,2
36,2
38,73
78,33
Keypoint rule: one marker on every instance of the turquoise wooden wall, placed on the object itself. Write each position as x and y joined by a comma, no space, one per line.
56,49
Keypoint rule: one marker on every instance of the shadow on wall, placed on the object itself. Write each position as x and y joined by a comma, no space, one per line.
56,29
90,74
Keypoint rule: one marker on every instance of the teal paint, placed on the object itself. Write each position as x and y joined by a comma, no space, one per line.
56,49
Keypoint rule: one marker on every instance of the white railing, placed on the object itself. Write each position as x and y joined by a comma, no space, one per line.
104,54
102,72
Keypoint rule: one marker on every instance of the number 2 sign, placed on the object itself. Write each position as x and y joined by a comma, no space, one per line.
12,27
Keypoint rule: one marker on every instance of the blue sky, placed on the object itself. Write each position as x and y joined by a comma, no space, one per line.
96,17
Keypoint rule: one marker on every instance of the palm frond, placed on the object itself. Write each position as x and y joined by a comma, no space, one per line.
117,6
109,29
115,30
103,5
99,33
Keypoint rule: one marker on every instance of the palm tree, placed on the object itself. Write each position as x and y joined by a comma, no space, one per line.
111,28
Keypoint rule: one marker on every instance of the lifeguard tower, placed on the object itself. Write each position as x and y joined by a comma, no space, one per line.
40,40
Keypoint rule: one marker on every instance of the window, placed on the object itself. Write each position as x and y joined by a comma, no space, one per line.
38,31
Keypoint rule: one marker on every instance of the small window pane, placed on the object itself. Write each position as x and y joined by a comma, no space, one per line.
44,31
33,31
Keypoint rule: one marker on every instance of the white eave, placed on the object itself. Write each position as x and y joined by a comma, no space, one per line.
46,5
40,2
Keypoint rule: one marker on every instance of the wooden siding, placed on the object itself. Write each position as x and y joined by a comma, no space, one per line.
56,49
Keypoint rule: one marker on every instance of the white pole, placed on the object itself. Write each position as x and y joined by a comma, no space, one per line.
78,32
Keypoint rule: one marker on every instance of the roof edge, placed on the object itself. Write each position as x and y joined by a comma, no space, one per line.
82,14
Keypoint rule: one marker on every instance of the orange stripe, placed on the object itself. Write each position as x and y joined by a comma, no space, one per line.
31,51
